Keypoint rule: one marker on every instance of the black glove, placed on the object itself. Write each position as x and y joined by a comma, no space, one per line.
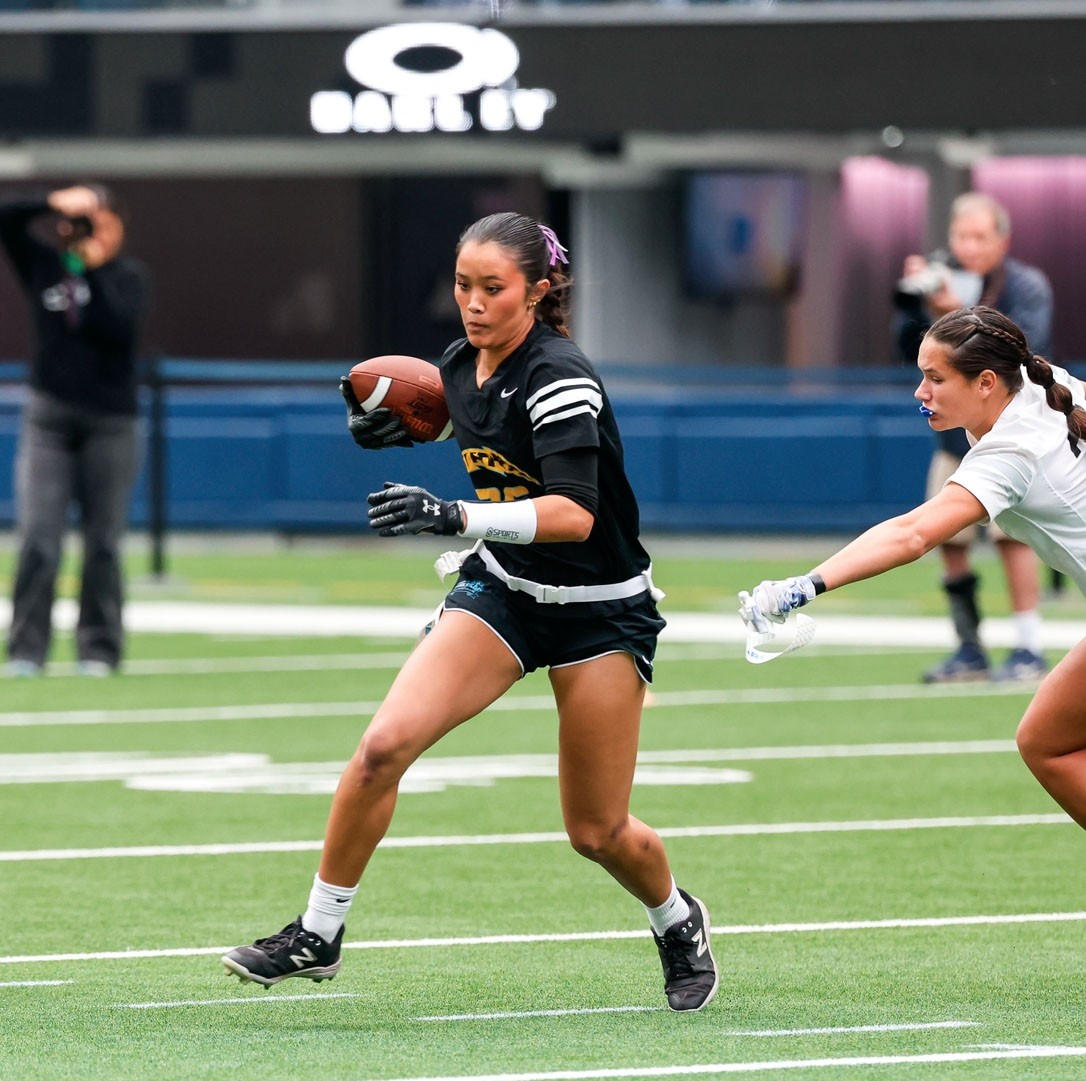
401,509
375,430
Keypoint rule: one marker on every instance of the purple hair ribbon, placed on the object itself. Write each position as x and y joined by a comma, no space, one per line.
556,251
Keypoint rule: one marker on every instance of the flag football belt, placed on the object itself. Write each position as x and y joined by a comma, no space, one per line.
451,562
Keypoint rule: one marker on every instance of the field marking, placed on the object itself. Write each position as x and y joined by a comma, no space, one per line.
209,666
749,696
232,1001
581,936
246,773
395,621
347,662
1001,1052
554,837
513,1014
36,983
917,1026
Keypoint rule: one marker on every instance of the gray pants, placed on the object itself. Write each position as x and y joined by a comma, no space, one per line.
68,454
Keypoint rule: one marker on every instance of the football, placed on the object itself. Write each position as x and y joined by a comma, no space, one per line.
411,388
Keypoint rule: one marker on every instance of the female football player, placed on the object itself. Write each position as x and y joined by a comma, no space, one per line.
556,578
1026,469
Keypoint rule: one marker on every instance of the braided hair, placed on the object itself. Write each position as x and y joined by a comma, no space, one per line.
536,257
982,339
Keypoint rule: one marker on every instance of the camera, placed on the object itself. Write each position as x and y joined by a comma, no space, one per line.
942,272
80,228
927,281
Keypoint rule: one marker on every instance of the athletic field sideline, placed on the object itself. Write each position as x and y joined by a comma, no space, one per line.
893,895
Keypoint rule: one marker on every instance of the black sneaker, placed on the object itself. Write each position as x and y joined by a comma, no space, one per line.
294,951
690,975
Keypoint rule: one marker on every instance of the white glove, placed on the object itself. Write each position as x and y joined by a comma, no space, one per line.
775,600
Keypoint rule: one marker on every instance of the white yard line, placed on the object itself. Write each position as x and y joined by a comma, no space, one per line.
319,621
741,829
36,983
512,704
183,666
763,1067
233,1001
918,1026
580,936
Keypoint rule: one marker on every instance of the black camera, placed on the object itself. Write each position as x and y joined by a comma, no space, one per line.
80,229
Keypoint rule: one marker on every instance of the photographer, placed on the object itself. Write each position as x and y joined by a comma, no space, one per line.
79,437
978,270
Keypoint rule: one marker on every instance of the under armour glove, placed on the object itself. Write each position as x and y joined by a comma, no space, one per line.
400,509
373,430
775,600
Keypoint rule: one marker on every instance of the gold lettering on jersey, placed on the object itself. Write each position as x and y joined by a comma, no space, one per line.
491,460
501,495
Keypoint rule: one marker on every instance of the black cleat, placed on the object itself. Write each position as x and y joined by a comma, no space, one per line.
294,951
690,974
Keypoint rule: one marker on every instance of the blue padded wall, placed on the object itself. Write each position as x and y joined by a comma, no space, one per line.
246,457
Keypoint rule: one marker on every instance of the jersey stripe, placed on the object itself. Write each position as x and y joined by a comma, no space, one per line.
580,395
566,413
550,388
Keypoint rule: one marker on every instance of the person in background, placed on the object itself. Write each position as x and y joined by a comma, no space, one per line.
1026,421
979,271
78,440
557,579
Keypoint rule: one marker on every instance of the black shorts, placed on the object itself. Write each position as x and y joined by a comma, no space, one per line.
556,635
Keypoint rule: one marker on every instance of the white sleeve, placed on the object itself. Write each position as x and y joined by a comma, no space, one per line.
998,475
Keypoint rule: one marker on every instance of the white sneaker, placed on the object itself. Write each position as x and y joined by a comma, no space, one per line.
95,669
20,668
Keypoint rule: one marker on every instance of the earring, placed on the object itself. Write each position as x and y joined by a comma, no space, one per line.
532,303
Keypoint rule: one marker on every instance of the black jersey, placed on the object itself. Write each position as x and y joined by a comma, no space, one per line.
544,398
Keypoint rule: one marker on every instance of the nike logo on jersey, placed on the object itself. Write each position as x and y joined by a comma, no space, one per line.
509,393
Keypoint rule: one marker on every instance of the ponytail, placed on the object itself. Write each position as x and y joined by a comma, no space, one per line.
551,308
1058,397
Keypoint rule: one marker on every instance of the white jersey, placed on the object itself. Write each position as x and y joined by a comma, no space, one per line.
1030,479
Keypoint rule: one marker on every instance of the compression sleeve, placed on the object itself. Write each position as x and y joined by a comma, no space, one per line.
573,473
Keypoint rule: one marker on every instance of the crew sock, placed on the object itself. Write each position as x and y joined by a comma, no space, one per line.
674,910
328,908
1028,625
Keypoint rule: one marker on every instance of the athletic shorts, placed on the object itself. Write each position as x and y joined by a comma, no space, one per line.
943,465
557,635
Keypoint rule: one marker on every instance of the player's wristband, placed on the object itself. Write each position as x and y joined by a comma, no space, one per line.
818,583
510,523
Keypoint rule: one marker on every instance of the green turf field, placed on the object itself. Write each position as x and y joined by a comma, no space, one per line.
892,894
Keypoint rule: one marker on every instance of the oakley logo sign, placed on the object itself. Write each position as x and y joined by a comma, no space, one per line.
431,77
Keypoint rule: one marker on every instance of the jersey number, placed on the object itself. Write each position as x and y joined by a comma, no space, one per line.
501,495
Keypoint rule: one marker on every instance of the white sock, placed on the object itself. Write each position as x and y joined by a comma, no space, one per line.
674,910
328,908
1028,625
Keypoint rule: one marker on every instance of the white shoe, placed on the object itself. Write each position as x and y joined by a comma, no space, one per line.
20,668
95,669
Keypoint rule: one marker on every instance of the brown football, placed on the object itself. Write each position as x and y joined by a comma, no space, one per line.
408,386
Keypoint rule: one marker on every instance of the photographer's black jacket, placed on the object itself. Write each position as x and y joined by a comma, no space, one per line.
86,327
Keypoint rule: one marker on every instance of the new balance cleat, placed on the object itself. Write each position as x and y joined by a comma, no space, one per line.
690,973
1021,665
966,665
294,951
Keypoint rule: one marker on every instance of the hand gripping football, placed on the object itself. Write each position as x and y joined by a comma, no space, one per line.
409,387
